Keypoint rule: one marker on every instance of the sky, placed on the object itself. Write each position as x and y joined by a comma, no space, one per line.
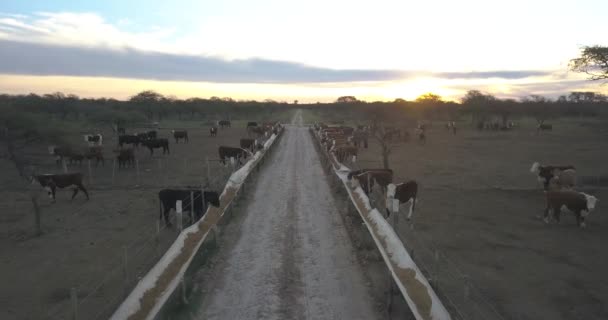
313,50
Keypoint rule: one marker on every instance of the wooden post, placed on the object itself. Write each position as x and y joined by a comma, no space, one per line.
178,214
74,298
125,268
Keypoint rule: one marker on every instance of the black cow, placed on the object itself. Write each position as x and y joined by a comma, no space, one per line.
547,127
168,198
213,131
404,192
224,123
183,134
252,124
152,144
125,157
248,144
148,135
230,152
60,153
128,139
121,130
74,158
53,181
256,130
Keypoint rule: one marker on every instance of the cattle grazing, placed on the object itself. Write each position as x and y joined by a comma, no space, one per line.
404,192
125,157
366,178
546,173
201,199
224,123
95,153
213,131
180,134
128,139
249,144
93,139
544,127
152,144
226,153
51,182
581,204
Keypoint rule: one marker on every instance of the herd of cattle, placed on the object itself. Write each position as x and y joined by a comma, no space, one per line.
558,181
195,200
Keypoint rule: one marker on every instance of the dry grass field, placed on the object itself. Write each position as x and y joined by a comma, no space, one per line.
476,231
84,242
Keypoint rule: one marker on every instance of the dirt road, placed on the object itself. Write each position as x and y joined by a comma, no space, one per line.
293,258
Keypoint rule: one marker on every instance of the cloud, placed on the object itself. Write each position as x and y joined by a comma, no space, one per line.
47,59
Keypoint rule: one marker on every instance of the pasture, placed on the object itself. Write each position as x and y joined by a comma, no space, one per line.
102,246
477,232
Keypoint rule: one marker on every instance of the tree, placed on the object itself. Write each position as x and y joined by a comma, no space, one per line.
429,99
347,99
593,62
148,101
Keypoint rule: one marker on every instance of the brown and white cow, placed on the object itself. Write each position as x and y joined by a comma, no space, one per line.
367,177
581,204
51,182
344,152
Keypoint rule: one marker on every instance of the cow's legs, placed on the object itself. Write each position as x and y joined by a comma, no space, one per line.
546,215
556,214
75,192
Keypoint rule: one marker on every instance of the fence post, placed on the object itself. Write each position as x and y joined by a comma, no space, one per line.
178,214
125,268
74,297
64,165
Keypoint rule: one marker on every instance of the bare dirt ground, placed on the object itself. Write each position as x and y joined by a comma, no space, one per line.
289,256
476,231
83,241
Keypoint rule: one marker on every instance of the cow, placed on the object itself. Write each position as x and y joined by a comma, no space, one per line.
382,176
180,134
404,192
120,130
213,132
546,173
544,127
128,139
249,144
168,198
74,158
360,139
230,152
125,157
93,139
581,204
421,134
51,182
252,124
95,153
224,123
152,144
344,152
148,135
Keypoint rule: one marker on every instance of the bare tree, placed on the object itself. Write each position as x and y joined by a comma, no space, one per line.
593,61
